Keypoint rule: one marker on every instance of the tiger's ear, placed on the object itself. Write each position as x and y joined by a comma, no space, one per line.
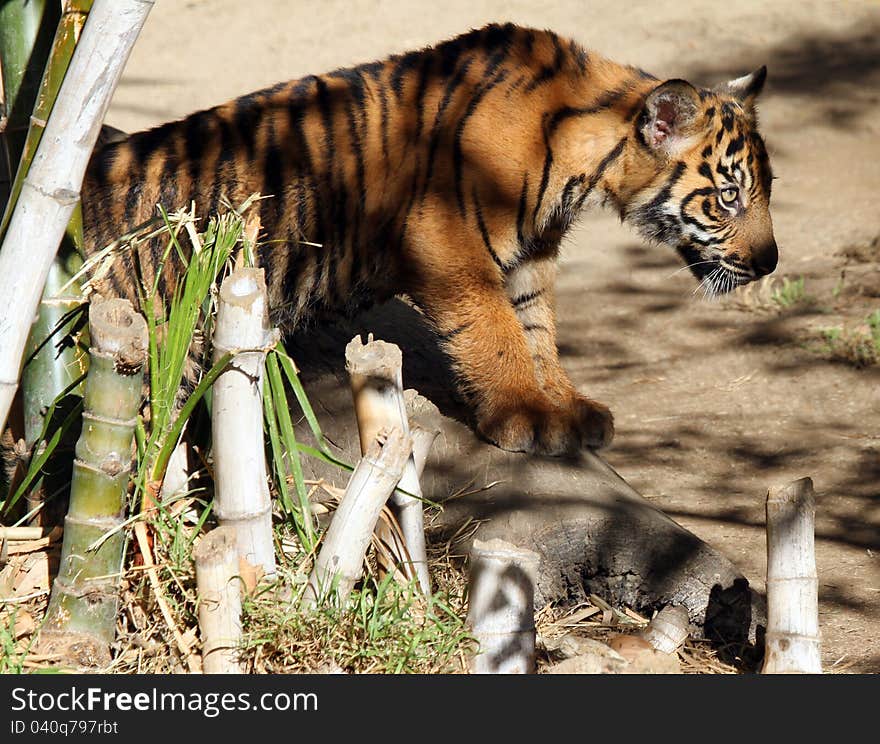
670,116
746,89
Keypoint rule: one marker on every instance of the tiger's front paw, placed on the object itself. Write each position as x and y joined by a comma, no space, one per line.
549,429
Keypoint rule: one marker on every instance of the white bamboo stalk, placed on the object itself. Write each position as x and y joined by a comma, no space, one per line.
501,595
424,426
219,592
792,640
240,477
52,187
375,371
340,561
668,630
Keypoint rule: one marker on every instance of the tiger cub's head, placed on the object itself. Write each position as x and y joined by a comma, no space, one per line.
709,196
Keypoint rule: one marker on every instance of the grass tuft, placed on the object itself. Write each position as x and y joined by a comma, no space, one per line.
791,292
858,346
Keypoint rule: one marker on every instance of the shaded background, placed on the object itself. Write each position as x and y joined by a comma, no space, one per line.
714,402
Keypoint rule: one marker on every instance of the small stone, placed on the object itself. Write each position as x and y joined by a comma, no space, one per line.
642,657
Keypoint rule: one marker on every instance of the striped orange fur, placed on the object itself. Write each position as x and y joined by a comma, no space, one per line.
451,174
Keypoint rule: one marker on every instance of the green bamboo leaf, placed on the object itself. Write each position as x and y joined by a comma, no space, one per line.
37,463
277,453
295,383
174,432
276,388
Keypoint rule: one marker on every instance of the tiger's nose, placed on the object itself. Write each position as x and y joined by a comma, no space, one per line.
764,259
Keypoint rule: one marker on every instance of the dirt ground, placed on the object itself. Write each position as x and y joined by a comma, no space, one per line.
714,401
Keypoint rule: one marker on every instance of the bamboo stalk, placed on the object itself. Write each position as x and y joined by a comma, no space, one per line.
340,561
424,426
67,33
792,640
668,630
22,533
82,608
375,372
51,189
54,363
26,29
53,366
501,595
241,482
219,592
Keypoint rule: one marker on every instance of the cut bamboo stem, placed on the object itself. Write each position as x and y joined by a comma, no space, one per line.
83,605
501,595
219,592
668,630
792,640
424,426
375,372
51,189
241,483
340,561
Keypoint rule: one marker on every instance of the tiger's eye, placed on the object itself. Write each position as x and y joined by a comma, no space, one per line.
729,194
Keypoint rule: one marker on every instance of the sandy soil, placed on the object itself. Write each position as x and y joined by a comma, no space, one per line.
714,402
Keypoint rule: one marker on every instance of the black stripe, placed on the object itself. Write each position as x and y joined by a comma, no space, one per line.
195,136
421,90
525,299
248,111
484,233
548,72
404,64
612,155
449,335
604,102
457,152
521,213
452,85
168,182
527,327
409,207
735,145
225,156
665,192
545,180
273,180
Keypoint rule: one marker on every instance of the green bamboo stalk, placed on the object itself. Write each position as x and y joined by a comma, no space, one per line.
26,128
26,30
81,619
54,359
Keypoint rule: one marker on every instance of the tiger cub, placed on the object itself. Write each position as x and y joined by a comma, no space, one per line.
451,174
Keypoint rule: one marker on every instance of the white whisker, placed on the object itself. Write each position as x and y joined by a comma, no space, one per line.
690,266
